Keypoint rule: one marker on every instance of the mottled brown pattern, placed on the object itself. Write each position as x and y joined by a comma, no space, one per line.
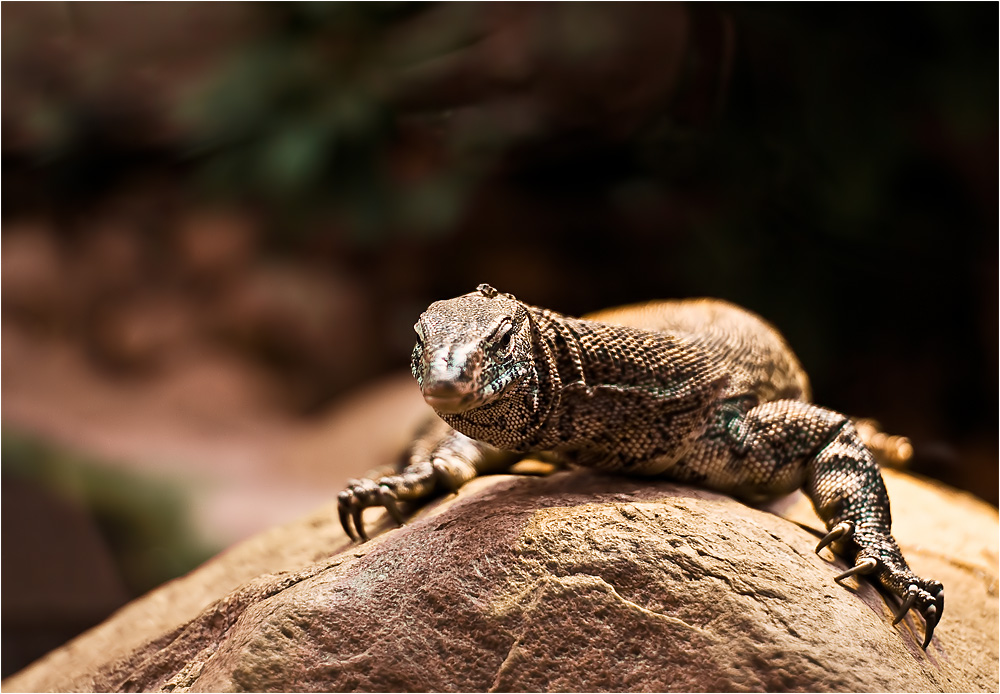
699,391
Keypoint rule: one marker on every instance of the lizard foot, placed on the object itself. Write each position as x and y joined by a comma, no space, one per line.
416,482
362,494
925,596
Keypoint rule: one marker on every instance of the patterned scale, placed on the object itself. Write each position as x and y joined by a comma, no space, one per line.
700,391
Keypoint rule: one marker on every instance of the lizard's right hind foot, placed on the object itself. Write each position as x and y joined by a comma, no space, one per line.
922,595
927,598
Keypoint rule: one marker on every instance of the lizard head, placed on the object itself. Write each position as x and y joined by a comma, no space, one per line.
471,349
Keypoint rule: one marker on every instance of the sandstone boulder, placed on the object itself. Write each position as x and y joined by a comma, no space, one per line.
577,581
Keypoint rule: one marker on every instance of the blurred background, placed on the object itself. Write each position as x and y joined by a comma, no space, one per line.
220,222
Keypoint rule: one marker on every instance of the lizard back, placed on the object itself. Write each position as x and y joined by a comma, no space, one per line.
759,359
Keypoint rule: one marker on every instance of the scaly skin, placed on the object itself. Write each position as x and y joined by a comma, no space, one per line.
698,391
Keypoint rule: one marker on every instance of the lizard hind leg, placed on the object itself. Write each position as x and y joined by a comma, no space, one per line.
847,490
777,446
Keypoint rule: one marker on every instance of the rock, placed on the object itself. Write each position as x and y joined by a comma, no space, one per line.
576,581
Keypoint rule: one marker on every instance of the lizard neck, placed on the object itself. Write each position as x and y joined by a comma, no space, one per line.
560,337
581,370
595,369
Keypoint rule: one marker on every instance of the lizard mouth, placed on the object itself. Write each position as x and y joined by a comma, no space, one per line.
449,404
449,398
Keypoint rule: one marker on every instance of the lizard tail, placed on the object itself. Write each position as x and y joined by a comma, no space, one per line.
890,451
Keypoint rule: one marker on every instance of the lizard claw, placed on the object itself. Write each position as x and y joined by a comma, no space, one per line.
344,503
932,613
841,531
358,523
865,566
931,618
387,497
908,601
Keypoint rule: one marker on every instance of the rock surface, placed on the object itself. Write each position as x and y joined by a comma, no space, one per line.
573,582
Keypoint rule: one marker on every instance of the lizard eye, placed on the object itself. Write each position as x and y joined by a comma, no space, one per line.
502,336
420,333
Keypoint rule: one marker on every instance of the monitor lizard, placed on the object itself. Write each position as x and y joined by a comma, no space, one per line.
699,391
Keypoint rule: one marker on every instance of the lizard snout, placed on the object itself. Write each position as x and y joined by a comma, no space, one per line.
450,379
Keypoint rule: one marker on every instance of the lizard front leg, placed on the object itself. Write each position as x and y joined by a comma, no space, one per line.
439,459
769,449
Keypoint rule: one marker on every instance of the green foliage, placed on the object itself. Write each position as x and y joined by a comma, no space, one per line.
143,518
298,119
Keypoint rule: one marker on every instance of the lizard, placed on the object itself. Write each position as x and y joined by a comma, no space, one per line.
699,391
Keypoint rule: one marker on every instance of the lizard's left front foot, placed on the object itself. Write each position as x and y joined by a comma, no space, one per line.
885,564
